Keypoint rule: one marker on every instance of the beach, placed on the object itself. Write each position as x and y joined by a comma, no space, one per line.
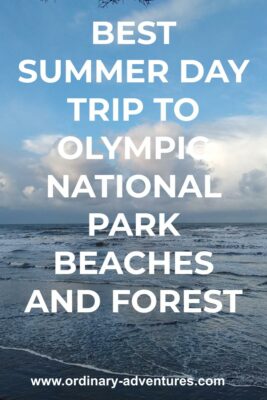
104,344
18,366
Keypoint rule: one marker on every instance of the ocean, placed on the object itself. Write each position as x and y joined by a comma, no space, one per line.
228,345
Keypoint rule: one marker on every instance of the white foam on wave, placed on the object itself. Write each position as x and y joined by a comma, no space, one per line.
47,357
245,385
87,366
107,371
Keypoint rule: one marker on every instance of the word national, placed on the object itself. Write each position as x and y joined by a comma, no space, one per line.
136,186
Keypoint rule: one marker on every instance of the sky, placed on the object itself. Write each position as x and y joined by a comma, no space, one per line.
233,116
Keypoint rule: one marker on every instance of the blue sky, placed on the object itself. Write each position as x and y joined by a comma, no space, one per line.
207,30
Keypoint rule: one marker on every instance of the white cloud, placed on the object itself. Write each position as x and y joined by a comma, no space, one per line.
7,190
237,146
28,191
183,11
236,149
41,144
236,158
3,182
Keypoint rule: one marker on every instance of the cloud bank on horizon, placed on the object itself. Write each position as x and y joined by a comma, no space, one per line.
234,157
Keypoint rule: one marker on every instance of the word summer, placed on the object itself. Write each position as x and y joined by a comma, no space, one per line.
129,71
136,186
142,301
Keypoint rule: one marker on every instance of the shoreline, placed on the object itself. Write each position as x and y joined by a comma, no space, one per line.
19,365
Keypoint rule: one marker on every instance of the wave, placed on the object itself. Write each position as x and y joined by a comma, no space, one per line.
234,246
237,253
25,265
176,322
103,282
239,275
263,283
79,365
110,372
56,232
101,244
163,323
243,385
